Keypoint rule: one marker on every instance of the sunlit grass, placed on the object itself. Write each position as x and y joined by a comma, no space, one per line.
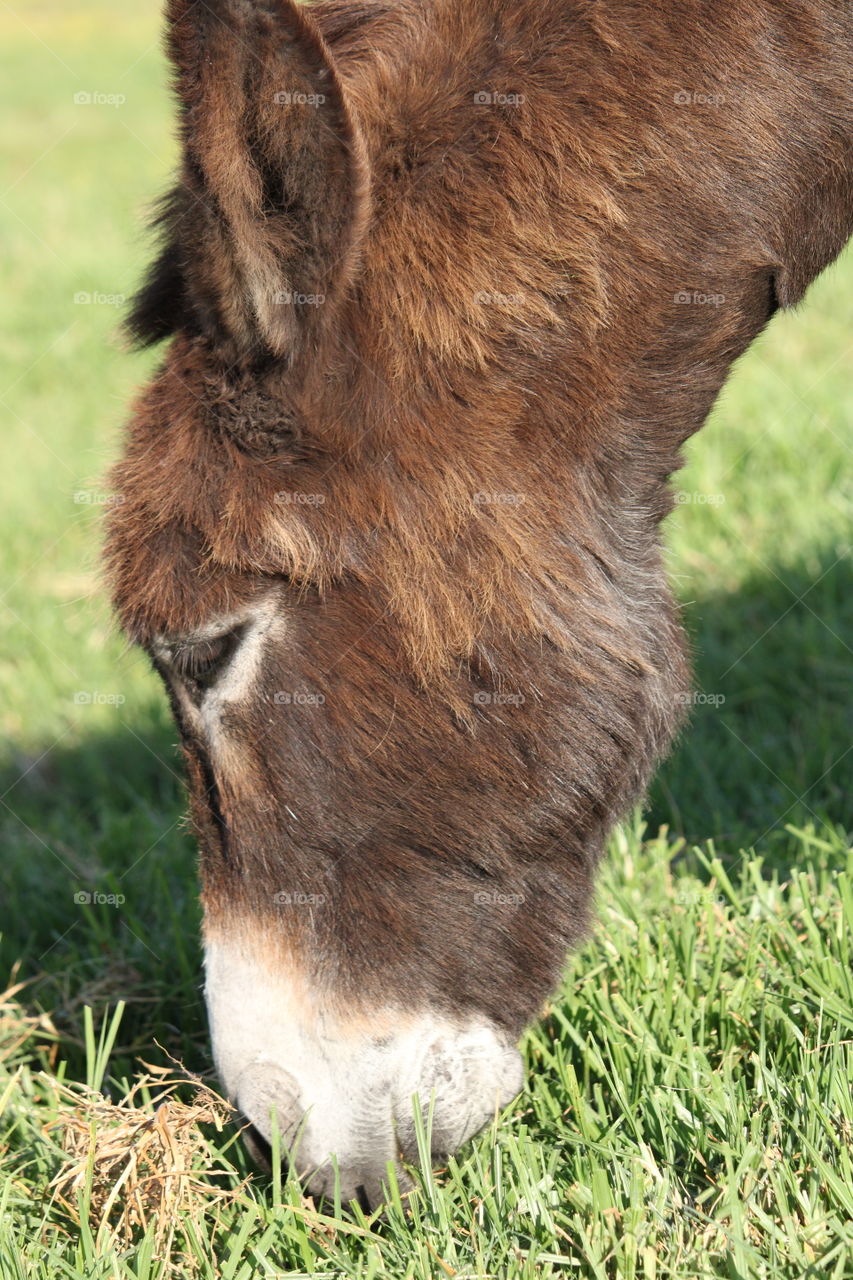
688,1113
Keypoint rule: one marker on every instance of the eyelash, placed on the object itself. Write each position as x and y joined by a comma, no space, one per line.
200,663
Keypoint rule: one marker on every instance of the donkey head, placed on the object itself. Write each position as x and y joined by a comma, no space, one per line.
363,925
389,526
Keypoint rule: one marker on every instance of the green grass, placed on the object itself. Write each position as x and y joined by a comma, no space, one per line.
688,1107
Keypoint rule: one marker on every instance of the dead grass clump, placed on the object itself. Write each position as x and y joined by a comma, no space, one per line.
20,1030
134,1165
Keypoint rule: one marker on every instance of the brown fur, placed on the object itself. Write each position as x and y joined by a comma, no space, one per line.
409,601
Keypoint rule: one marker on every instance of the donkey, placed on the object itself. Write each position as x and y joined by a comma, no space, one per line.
448,284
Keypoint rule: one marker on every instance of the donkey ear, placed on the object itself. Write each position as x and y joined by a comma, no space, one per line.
160,306
265,228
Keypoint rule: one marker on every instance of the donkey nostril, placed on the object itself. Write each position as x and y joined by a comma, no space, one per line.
258,1147
470,1074
363,1198
267,1097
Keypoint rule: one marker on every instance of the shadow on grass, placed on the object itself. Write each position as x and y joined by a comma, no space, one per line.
769,741
99,888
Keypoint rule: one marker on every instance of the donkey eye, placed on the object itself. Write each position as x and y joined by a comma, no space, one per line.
201,662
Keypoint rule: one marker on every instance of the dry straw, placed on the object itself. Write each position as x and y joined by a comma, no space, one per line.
136,1165
139,1164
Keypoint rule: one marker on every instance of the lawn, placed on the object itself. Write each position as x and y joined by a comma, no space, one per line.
689,1106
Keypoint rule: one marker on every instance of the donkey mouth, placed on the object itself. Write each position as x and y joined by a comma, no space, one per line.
340,1134
339,1092
261,1153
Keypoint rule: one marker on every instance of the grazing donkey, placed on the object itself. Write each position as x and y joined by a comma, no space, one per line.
450,283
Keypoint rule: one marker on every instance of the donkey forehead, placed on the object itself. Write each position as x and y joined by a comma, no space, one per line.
200,528
168,586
